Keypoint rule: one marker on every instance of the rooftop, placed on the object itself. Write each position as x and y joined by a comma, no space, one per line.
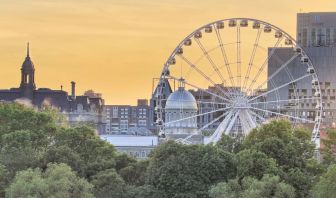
130,140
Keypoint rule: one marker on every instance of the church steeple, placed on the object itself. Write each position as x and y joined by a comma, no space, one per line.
28,76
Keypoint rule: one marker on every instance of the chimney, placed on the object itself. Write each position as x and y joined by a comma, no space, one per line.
73,90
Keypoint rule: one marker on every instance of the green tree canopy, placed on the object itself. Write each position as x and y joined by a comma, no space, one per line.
58,181
326,187
188,171
268,186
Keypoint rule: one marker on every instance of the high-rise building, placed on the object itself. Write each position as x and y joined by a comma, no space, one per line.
316,29
316,34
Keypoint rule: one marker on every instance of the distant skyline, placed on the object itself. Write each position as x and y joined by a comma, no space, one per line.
117,47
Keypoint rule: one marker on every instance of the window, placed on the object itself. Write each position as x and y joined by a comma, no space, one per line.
142,123
334,36
327,36
124,125
313,36
114,112
304,37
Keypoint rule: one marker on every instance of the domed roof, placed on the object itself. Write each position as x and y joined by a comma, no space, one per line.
28,64
181,99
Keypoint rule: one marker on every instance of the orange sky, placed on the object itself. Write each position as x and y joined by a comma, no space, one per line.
117,47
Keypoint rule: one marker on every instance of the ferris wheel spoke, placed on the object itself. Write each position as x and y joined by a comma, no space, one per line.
195,116
289,100
284,65
262,67
257,115
238,57
202,73
281,114
215,120
255,47
200,101
281,86
214,66
212,102
226,62
204,90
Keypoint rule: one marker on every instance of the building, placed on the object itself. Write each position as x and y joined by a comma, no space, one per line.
76,109
136,146
127,119
181,116
316,29
165,89
316,33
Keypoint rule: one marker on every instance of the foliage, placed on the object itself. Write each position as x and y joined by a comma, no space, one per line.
145,191
108,184
134,174
254,163
94,154
3,180
188,171
329,147
325,188
274,160
56,181
230,144
268,186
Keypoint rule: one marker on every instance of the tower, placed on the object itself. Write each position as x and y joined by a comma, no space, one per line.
27,77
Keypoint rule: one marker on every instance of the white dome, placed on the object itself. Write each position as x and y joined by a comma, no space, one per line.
181,99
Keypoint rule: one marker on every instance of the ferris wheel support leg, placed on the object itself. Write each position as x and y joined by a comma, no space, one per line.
227,131
247,121
215,137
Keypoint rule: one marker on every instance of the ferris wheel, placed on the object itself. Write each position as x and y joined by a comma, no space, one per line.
242,73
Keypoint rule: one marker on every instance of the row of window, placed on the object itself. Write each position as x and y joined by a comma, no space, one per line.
317,36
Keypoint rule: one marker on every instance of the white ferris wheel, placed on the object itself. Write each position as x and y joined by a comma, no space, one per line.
242,72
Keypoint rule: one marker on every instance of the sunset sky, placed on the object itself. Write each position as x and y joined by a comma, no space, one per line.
117,47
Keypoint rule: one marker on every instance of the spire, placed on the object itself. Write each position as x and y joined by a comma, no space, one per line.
28,49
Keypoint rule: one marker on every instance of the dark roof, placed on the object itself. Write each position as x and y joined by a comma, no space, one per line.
28,64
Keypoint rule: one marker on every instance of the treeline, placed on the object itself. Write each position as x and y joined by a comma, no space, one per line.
40,156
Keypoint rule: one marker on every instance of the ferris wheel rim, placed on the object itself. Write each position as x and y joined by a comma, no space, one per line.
318,117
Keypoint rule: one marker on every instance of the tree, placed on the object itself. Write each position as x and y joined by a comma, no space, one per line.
123,160
325,188
188,171
328,149
25,135
63,154
268,186
230,144
4,179
144,191
289,147
108,183
255,164
57,181
95,154
292,150
134,174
